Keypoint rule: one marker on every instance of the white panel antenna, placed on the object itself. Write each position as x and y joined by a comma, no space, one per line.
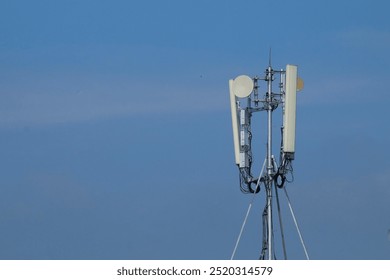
289,118
233,107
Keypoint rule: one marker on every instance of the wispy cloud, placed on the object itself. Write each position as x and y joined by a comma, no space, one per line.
41,106
366,38
349,67
82,87
340,90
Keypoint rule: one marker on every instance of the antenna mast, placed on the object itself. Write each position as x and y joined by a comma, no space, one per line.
270,171
244,87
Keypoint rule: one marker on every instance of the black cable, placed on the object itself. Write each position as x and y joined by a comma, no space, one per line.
281,224
279,179
265,232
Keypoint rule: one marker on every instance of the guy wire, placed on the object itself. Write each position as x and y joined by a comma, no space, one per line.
296,223
247,212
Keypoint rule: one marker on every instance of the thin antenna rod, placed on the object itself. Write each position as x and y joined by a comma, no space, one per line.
269,57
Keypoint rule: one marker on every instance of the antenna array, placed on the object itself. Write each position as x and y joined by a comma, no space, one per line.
245,101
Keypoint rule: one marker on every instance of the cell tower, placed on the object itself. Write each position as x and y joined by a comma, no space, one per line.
246,100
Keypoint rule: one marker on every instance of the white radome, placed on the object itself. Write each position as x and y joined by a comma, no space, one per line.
242,86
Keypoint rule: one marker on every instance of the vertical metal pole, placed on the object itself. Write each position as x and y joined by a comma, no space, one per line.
269,162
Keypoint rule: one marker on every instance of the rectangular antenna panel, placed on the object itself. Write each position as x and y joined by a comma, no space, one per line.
244,138
244,160
243,129
289,118
233,108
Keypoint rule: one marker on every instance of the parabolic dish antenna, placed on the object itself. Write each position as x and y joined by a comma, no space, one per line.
242,86
300,84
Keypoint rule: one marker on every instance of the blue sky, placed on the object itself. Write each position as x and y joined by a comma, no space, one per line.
115,132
